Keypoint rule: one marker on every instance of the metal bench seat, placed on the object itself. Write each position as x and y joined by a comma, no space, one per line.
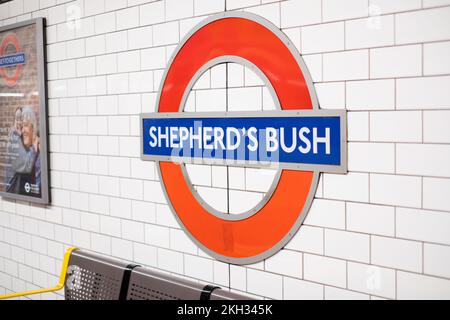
91,277
147,284
88,276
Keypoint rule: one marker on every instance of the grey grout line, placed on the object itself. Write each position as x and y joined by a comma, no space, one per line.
303,265
396,284
395,222
423,257
421,193
323,242
394,27
346,275
422,46
423,126
395,158
345,215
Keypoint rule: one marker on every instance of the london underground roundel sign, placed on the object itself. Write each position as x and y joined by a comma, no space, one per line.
298,139
13,60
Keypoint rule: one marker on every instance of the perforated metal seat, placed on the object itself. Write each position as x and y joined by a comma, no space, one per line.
88,276
152,285
147,284
91,277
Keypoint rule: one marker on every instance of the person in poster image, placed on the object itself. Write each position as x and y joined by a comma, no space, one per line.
24,154
14,137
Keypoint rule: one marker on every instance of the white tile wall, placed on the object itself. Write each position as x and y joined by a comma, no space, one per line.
352,187
435,129
387,6
294,289
396,126
332,293
358,126
346,65
435,22
366,33
371,157
380,231
423,93
347,245
371,219
435,61
325,270
370,95
331,95
323,38
423,159
395,190
270,12
202,7
265,284
298,12
333,10
416,286
326,213
177,10
171,261
238,278
399,61
286,262
199,268
435,193
308,239
371,279
396,253
422,225
436,260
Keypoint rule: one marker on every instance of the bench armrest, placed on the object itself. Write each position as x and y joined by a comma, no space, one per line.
59,286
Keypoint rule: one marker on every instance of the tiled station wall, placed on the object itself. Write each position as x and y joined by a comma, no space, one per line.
381,231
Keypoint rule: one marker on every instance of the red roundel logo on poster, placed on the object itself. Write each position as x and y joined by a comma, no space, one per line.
11,60
251,40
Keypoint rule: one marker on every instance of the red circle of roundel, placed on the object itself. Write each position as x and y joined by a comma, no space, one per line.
10,80
253,238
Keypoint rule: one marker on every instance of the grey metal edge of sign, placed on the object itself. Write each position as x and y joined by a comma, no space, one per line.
316,173
342,168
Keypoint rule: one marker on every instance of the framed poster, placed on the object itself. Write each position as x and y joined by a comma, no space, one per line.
23,116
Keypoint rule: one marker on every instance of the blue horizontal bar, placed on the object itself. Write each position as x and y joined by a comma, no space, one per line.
294,140
12,60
